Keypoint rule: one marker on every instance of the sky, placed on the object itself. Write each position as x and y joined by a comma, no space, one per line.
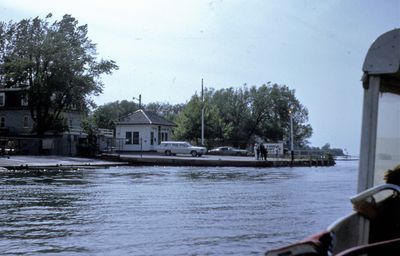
165,47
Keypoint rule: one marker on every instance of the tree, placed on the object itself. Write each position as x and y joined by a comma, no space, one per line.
55,64
107,115
326,146
276,103
232,105
166,110
236,115
189,120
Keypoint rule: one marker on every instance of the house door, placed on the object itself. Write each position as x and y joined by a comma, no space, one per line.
151,140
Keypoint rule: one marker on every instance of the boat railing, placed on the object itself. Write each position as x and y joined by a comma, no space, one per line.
389,247
372,191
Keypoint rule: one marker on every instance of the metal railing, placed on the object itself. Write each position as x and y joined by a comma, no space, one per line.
106,132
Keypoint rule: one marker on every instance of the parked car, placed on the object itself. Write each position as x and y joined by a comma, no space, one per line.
180,147
229,151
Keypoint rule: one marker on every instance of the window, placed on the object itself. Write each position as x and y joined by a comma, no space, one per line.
164,136
151,138
2,99
128,138
132,138
135,139
387,135
24,100
159,135
2,122
26,122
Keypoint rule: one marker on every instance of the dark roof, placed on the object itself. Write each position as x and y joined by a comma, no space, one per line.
144,117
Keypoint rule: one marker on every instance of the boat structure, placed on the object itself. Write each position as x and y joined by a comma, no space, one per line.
358,233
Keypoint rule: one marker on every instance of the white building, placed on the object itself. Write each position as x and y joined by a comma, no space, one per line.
142,131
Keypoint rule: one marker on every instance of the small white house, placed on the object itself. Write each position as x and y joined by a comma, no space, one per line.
142,131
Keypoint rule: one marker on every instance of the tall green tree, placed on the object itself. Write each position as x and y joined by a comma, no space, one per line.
55,63
233,107
189,120
275,104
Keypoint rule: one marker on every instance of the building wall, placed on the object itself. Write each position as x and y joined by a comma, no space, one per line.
144,137
19,123
14,121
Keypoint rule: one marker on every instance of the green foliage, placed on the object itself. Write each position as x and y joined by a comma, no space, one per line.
327,146
236,115
332,151
326,149
56,64
107,115
232,105
189,120
165,110
89,125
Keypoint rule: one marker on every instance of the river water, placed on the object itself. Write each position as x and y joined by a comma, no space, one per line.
169,210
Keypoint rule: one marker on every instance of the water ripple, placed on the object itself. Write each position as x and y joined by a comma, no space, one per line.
168,211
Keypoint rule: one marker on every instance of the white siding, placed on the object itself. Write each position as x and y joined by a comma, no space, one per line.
144,136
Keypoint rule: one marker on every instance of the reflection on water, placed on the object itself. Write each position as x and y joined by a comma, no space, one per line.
238,174
40,207
168,211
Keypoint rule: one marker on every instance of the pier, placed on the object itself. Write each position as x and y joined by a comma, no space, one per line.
214,161
108,160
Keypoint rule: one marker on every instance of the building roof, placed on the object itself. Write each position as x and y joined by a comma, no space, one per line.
144,117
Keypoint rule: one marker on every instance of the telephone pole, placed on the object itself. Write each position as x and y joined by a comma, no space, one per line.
202,113
291,136
139,100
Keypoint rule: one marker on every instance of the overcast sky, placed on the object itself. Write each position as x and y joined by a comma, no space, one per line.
164,48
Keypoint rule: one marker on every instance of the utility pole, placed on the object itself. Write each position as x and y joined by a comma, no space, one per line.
202,113
139,99
291,136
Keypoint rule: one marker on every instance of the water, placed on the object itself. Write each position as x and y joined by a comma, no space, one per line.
169,211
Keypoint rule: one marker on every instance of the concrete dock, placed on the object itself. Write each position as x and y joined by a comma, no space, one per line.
212,160
52,162
137,159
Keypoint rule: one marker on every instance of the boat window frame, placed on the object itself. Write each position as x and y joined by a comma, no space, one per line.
368,133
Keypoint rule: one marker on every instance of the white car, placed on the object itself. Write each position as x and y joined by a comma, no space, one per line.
180,147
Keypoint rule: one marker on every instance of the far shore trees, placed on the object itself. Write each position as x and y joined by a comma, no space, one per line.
55,63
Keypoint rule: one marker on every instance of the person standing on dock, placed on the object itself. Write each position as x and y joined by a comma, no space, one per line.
256,151
263,151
